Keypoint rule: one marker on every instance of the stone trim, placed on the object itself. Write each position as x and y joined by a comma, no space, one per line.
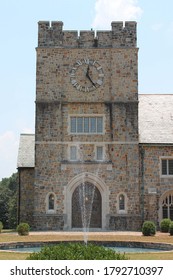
85,142
61,102
156,144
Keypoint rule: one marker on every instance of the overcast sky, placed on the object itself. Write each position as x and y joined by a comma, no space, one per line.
18,31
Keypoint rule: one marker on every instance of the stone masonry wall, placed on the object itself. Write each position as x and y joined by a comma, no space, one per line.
153,183
120,121
125,180
120,174
119,66
26,195
116,99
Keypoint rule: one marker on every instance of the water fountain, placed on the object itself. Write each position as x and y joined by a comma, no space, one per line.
86,196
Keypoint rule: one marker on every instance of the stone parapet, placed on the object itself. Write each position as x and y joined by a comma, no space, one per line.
51,34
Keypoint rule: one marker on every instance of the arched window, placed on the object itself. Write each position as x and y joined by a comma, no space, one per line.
122,203
167,206
50,203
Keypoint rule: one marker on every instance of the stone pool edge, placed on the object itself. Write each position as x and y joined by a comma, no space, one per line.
164,247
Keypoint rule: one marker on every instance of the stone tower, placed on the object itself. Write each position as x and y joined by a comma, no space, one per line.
87,128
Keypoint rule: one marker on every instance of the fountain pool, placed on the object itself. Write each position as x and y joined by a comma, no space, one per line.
118,246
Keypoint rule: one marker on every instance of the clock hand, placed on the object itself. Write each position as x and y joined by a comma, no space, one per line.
87,72
91,80
88,76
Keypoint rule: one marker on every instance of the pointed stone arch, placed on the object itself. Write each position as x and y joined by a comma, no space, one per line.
82,178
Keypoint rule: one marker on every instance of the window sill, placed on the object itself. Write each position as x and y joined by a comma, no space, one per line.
166,176
122,212
86,162
50,212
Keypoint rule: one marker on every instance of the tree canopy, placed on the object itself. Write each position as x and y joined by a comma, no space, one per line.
8,201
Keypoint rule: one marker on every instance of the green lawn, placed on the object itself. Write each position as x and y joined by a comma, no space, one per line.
150,256
13,256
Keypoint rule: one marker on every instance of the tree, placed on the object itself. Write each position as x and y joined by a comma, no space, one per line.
8,201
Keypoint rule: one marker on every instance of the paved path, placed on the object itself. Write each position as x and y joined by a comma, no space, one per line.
103,233
81,233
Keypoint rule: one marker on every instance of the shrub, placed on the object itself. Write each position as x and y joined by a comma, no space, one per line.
23,229
1,226
148,228
76,251
164,225
171,228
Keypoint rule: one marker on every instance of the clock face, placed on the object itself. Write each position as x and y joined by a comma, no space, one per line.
86,75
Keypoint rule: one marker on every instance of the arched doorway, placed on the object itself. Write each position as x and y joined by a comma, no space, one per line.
86,206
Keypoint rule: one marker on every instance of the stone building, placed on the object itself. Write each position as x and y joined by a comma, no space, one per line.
102,155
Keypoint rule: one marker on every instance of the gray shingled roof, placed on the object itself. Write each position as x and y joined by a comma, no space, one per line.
156,118
26,151
155,126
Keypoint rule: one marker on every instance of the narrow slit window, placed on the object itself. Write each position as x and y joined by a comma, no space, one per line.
99,125
79,125
86,125
73,125
73,153
51,202
170,167
121,202
99,153
93,125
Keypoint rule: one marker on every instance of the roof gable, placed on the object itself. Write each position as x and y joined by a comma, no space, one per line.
155,118
26,151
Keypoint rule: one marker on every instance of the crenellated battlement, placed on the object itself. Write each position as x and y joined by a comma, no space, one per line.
51,34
